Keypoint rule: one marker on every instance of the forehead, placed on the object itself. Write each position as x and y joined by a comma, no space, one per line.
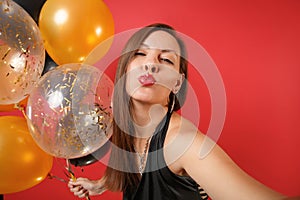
163,41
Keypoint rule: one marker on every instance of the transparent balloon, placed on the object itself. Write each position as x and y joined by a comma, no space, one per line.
69,111
22,53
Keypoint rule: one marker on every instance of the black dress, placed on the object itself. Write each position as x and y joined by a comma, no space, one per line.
158,182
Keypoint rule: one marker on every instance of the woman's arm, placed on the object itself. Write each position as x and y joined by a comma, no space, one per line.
83,187
217,174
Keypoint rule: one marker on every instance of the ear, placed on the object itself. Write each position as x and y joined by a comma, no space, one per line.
178,84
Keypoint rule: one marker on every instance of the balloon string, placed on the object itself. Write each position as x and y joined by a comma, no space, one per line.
72,175
21,108
51,176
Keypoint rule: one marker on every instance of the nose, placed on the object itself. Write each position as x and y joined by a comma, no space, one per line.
151,68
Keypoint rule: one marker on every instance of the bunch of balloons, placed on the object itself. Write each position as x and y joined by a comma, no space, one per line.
66,104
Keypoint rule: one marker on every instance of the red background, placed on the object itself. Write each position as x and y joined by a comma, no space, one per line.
255,45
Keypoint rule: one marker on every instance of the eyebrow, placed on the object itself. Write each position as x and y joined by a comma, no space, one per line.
162,50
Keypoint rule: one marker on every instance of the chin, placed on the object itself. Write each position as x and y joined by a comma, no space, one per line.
150,95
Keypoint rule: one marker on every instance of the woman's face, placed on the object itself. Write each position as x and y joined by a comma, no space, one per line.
154,70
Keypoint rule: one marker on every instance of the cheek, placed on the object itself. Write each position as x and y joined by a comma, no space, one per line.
167,77
133,64
132,83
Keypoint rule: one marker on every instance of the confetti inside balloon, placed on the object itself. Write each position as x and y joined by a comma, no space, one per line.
69,112
22,54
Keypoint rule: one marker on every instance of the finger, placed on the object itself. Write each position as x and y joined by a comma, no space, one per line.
70,185
82,193
76,189
75,183
79,192
81,179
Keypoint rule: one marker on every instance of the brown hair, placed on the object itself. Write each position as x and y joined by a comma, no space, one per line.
120,173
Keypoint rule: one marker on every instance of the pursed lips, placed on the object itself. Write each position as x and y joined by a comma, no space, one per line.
146,80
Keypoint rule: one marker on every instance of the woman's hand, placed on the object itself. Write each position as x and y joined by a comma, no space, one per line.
83,187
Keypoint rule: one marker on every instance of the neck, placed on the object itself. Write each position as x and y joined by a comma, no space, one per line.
146,118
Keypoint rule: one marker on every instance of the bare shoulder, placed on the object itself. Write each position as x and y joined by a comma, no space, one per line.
181,125
181,136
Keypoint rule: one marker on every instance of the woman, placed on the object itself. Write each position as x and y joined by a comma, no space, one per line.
156,151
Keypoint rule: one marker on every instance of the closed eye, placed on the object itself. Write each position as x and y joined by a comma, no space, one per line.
138,53
167,61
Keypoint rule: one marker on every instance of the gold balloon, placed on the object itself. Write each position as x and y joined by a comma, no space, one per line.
23,163
99,52
22,54
72,28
